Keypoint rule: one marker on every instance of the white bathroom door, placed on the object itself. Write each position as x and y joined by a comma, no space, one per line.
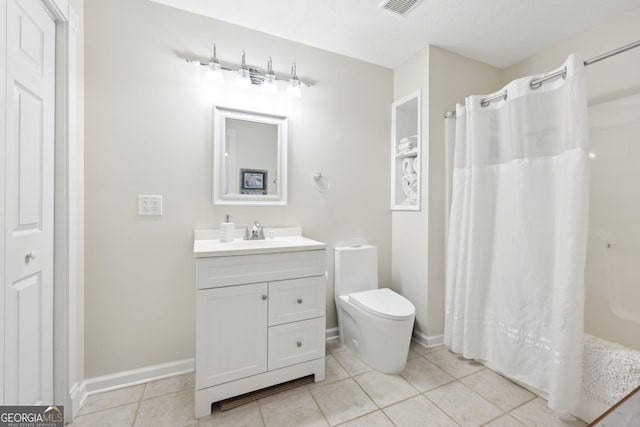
29,167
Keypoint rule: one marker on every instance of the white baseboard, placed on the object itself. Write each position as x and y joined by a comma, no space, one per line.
427,340
77,396
332,334
138,376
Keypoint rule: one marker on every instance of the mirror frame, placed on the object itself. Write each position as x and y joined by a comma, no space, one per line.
220,114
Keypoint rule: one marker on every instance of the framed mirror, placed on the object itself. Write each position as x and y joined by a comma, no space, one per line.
249,158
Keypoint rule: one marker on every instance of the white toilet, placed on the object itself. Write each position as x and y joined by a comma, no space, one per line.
375,324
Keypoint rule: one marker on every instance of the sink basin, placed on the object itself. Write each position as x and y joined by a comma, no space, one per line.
206,245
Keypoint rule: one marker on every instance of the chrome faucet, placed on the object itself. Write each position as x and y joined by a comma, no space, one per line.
257,232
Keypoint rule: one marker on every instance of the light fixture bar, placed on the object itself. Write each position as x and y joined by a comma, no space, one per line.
256,74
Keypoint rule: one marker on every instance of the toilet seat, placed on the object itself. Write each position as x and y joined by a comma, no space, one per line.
383,303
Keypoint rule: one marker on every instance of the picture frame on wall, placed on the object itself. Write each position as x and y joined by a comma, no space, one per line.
253,181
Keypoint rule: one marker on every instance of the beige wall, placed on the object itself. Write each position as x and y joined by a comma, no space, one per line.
418,237
451,78
606,80
148,131
409,229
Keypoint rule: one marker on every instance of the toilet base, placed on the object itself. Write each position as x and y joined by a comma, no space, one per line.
383,344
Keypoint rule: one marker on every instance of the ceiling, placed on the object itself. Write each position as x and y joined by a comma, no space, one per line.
498,32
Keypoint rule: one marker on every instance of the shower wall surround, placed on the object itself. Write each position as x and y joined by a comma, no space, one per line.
149,131
609,83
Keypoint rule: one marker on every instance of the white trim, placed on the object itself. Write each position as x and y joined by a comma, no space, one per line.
204,397
77,396
219,197
68,237
427,340
3,132
133,377
61,254
58,8
332,334
138,376
589,409
394,159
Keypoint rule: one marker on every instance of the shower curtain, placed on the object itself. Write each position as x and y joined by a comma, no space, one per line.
518,232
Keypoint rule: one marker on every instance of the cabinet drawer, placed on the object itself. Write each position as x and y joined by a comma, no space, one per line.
296,299
296,342
235,270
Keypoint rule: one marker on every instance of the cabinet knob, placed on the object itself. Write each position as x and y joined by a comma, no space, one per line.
299,344
264,297
299,300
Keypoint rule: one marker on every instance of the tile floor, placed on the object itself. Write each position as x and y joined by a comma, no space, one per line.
437,388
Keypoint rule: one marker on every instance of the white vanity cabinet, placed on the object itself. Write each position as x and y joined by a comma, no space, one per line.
260,321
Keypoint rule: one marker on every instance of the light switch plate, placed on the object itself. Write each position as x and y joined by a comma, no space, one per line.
150,205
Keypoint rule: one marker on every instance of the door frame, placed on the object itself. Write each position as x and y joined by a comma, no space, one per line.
3,135
68,351
68,271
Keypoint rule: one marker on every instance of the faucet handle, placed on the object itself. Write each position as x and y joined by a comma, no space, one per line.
246,232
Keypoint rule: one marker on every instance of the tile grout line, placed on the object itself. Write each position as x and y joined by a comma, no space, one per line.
438,406
381,408
264,423
318,406
520,406
139,403
482,397
352,377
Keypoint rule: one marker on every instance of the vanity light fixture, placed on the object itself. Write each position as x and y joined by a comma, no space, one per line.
247,75
243,79
293,89
269,83
214,72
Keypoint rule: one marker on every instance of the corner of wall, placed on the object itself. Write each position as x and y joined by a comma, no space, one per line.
409,229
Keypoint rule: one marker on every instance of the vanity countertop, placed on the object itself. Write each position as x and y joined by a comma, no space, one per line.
206,243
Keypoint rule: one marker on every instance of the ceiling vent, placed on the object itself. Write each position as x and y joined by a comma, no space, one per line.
400,7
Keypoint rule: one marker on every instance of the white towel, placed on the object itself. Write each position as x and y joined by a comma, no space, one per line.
412,138
410,186
407,166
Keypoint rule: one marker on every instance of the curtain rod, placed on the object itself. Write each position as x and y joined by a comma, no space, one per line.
586,63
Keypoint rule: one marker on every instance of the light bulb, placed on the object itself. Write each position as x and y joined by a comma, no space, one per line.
269,82
243,79
214,72
293,89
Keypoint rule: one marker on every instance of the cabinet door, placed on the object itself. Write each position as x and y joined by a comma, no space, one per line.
231,333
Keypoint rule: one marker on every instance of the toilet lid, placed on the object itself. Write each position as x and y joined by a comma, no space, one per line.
384,303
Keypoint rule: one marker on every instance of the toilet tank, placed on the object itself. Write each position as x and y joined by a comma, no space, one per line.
355,270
